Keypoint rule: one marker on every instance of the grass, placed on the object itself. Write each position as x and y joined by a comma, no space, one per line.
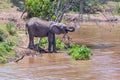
3,60
6,52
5,4
117,9
8,39
3,35
11,28
59,44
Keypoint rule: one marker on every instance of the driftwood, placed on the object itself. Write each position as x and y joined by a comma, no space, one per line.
28,52
20,58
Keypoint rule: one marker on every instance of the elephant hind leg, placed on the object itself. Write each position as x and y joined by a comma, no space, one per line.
31,47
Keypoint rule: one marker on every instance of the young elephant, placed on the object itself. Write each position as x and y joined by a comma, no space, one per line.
40,28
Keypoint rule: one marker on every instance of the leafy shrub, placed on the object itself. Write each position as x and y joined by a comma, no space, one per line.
5,52
3,60
3,35
8,40
59,44
72,49
43,42
4,48
11,28
117,9
12,41
7,47
80,53
39,8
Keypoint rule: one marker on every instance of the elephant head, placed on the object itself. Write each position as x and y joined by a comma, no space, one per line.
60,28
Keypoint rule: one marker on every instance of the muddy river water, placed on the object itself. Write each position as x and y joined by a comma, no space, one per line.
104,64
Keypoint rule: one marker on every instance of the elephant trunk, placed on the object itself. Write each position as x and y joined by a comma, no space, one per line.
70,29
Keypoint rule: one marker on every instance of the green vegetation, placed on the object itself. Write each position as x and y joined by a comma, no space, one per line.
39,8
8,40
11,29
5,4
59,44
117,9
43,42
3,35
5,52
54,9
79,52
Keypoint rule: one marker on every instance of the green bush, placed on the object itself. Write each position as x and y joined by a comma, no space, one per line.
117,9
59,44
43,42
79,53
3,60
4,48
39,8
72,49
12,41
3,35
5,52
8,40
11,28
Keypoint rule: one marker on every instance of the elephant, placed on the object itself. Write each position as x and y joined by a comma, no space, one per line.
40,28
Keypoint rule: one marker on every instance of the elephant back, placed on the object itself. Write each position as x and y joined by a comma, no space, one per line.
35,20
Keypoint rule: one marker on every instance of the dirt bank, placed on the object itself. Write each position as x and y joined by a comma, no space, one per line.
12,14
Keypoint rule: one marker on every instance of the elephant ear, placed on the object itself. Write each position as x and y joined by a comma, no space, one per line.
58,28
54,28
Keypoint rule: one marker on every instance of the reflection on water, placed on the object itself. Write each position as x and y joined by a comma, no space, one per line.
104,64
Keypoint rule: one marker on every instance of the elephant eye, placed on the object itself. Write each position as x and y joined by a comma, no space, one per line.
64,27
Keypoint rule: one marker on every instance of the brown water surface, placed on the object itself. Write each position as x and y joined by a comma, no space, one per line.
104,64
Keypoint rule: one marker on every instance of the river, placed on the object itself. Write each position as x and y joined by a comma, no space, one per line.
104,64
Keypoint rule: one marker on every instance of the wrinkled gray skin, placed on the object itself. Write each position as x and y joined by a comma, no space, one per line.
40,28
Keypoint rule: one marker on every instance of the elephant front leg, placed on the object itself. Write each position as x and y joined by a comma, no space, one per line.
50,42
31,42
49,47
54,44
